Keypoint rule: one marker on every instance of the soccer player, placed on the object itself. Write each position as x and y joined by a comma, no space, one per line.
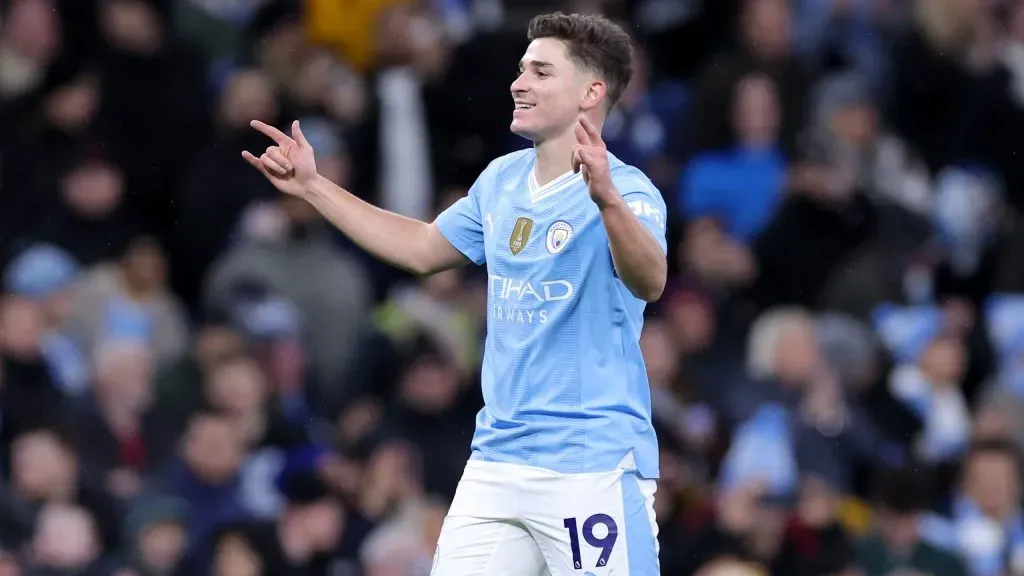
561,477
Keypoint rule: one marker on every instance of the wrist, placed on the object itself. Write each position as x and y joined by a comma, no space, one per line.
610,202
314,188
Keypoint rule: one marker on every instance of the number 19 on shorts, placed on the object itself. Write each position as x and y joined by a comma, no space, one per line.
599,531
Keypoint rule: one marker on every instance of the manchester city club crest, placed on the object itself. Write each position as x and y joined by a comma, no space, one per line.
558,236
520,235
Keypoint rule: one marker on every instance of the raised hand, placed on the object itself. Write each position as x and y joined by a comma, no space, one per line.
590,156
289,164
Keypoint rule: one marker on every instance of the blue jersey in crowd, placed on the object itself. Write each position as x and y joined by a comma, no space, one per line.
564,382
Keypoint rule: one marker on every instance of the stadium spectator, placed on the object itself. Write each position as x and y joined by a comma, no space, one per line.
901,498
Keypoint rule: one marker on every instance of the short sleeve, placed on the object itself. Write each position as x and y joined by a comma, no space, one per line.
462,225
644,199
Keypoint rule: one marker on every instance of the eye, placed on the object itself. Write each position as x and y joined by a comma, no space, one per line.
542,74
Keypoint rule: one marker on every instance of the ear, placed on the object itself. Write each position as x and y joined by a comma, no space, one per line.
593,94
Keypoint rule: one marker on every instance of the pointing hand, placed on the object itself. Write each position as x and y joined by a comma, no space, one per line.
289,164
590,156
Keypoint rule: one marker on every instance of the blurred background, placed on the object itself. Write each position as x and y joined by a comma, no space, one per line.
200,377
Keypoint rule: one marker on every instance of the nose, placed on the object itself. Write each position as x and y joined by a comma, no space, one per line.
519,85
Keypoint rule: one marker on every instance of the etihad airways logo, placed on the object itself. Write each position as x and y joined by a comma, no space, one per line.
523,301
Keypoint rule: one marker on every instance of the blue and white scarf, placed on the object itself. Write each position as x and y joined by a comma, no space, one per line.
987,548
1004,318
762,450
67,363
942,409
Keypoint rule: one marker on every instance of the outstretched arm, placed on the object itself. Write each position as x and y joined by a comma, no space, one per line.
412,245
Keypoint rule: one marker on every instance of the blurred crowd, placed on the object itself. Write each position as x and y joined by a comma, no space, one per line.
198,376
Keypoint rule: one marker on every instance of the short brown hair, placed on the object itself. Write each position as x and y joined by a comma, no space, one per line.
595,43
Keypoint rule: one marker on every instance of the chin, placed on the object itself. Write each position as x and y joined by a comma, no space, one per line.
519,129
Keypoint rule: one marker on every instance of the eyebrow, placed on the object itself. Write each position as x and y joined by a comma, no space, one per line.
536,64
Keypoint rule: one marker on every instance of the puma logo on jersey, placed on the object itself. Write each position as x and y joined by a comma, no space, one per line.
491,221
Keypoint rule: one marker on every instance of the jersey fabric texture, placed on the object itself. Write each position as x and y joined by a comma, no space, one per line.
564,382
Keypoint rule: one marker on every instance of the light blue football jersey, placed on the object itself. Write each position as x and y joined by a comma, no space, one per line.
564,383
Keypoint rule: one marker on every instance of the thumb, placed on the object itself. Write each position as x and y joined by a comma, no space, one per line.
298,136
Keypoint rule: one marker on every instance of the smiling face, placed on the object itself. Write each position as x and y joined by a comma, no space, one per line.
552,91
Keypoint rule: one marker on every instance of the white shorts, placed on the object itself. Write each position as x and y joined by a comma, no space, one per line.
513,520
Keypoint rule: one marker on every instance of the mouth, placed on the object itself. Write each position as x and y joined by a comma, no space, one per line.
523,106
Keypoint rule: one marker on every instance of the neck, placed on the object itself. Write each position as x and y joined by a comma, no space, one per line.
999,514
122,418
554,156
134,290
137,294
1003,517
252,425
63,492
11,53
757,144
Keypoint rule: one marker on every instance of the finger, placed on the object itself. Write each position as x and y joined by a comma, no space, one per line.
595,155
298,136
577,159
586,173
278,156
584,152
591,130
269,131
273,167
581,135
254,162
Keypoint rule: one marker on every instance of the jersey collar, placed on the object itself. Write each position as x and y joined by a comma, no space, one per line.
563,182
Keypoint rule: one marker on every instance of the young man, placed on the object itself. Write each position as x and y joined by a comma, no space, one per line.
562,474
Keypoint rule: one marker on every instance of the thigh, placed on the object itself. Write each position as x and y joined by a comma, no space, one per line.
480,547
597,525
482,535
